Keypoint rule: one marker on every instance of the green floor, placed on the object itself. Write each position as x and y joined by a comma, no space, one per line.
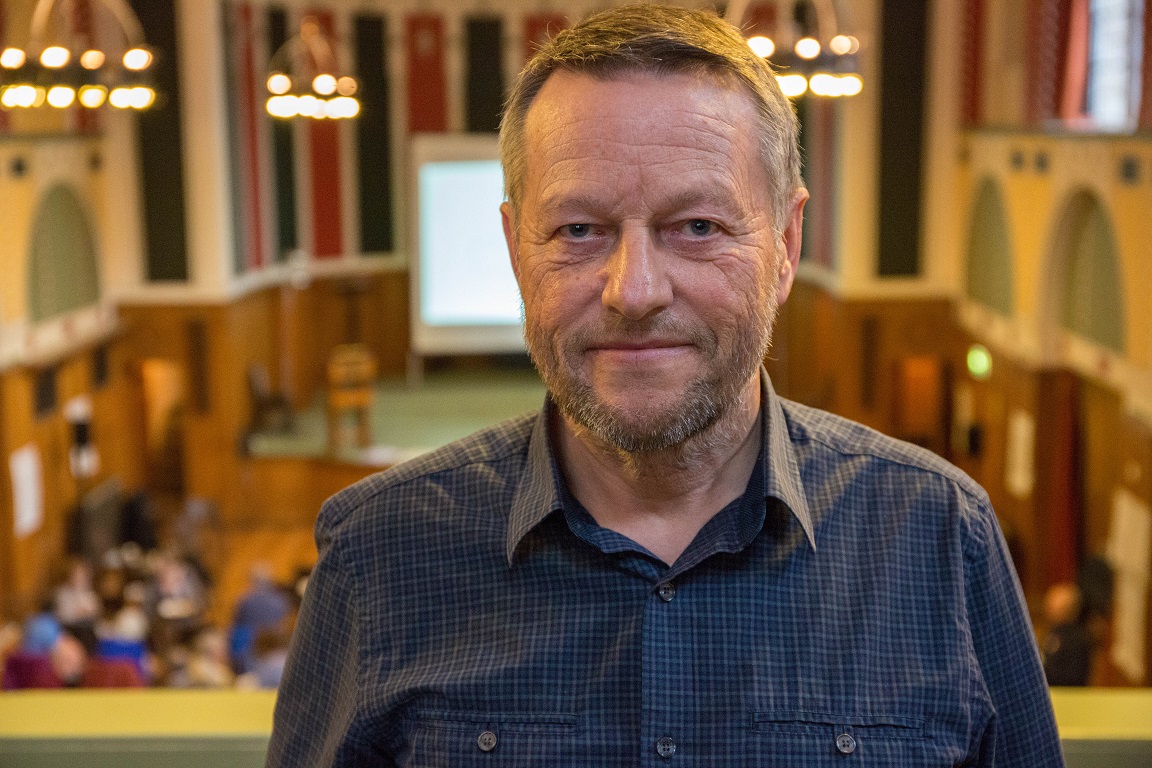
408,421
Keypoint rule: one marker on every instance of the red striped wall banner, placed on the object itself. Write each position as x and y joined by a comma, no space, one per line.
325,163
248,108
1075,64
972,70
427,81
86,120
1046,48
539,28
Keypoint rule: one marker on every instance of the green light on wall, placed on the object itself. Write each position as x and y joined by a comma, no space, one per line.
979,362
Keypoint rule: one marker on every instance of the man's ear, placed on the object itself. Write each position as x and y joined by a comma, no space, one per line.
510,238
793,231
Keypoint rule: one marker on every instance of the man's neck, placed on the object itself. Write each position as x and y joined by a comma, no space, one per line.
661,499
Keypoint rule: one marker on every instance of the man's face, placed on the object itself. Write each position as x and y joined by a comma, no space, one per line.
646,254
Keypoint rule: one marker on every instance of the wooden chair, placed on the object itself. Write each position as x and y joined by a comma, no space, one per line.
351,376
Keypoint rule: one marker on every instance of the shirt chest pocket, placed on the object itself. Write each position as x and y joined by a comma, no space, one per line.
811,740
436,740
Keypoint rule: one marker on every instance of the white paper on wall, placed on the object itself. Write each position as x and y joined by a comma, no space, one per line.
27,490
1019,462
1130,554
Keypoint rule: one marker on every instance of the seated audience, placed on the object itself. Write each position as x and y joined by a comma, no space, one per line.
263,607
1068,644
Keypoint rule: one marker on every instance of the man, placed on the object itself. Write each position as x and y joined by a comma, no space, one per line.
669,565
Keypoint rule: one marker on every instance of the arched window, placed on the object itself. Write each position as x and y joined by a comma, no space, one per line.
989,252
62,269
1092,303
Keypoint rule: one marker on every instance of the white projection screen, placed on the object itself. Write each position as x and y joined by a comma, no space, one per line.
463,296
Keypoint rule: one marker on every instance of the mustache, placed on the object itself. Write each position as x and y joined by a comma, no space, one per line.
617,329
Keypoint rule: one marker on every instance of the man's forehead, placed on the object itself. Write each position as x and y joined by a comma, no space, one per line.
566,88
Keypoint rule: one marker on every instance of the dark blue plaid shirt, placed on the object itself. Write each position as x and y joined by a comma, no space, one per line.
856,607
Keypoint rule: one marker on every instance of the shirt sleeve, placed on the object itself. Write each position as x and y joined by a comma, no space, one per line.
316,703
1022,732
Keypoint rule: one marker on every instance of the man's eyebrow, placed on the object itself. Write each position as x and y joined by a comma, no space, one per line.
690,198
562,202
565,201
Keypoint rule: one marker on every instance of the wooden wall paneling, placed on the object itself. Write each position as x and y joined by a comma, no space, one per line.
1101,461
1058,487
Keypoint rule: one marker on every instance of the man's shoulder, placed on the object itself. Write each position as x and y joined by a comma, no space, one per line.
477,465
833,439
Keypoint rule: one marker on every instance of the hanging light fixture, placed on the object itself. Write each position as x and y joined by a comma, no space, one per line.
305,80
62,72
812,53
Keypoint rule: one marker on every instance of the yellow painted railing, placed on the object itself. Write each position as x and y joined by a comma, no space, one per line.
134,713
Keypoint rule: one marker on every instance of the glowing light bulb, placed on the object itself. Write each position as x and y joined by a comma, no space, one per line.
92,96
807,48
61,96
840,45
324,84
851,85
346,86
824,84
283,106
54,56
762,46
121,98
92,59
137,59
343,107
792,85
141,97
12,58
279,83
308,105
8,97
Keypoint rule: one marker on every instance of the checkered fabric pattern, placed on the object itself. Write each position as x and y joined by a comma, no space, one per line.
856,607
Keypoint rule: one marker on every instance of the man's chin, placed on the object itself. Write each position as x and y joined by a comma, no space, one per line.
645,426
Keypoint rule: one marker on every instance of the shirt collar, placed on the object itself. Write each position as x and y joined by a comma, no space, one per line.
537,494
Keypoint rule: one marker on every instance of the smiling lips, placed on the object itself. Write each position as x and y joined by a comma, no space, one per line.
645,351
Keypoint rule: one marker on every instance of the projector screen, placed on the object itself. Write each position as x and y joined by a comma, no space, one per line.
463,295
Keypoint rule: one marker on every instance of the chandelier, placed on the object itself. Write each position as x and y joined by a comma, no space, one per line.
808,47
304,78
60,72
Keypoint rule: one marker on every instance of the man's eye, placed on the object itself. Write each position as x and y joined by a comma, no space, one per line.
699,227
577,230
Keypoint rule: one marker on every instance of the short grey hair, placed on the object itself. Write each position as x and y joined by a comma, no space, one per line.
661,40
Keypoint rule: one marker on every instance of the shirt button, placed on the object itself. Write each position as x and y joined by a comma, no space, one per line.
486,741
665,747
845,744
666,592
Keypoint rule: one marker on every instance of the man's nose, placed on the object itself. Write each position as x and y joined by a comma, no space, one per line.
637,283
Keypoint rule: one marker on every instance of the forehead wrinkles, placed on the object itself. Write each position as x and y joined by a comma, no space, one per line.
570,149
